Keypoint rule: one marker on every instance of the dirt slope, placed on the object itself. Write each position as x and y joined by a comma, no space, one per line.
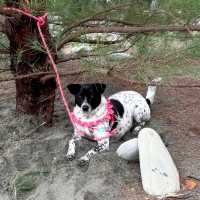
33,156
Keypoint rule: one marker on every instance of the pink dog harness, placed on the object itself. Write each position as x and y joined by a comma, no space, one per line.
108,117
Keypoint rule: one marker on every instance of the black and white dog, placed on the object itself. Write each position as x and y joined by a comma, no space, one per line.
129,109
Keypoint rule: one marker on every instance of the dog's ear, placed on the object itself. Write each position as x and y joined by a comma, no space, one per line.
74,88
100,87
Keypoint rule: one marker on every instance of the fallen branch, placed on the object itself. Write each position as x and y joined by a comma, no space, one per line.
103,42
126,29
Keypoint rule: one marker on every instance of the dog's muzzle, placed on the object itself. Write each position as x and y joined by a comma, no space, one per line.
86,107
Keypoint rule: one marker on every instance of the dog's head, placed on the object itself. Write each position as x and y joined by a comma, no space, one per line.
87,96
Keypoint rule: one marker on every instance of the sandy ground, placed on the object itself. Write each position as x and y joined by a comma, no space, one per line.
34,156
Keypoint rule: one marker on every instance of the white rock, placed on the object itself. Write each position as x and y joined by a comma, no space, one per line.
129,150
159,173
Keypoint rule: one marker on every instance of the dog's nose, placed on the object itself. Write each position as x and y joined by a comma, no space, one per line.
85,108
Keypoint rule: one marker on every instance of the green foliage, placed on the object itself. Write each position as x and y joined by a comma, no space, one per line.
25,183
171,48
137,11
35,45
183,9
28,181
193,48
4,43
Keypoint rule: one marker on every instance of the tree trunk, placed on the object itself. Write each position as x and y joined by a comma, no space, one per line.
35,95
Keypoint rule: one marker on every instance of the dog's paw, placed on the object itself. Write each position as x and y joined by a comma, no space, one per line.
137,129
70,157
82,162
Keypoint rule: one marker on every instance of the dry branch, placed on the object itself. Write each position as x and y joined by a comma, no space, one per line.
32,75
75,57
127,30
4,51
90,41
116,21
105,72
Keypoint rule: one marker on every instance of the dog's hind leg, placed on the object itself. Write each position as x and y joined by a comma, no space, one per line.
102,145
141,116
72,147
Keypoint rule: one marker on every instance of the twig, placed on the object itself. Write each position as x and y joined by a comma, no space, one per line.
33,130
195,178
177,196
71,57
96,15
32,75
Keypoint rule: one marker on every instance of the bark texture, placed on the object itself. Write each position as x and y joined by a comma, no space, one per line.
34,95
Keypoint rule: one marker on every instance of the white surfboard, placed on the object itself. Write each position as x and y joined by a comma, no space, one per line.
159,173
129,150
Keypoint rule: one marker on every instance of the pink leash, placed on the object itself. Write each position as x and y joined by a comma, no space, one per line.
40,22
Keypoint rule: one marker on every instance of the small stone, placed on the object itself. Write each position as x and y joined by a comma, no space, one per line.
159,173
129,150
90,196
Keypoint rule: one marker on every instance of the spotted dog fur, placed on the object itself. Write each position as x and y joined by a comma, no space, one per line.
136,111
130,108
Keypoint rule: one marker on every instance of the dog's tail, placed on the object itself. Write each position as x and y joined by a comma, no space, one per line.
151,92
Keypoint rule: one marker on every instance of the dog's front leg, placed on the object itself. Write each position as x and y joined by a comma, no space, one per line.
72,147
139,127
102,145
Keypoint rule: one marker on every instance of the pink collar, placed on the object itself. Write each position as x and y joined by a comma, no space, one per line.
108,116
